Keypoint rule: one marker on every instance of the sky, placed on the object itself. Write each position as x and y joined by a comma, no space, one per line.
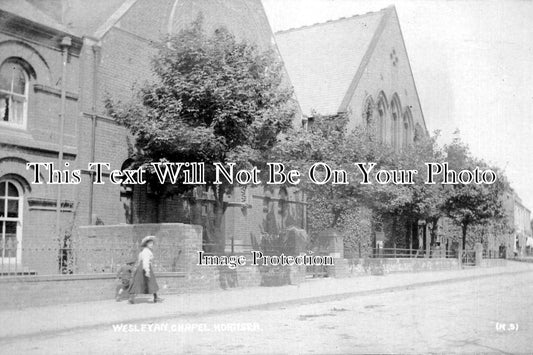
472,61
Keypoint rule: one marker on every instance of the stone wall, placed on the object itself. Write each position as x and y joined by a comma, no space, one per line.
380,266
493,262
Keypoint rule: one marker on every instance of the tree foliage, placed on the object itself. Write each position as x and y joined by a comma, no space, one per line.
329,140
345,207
214,100
471,204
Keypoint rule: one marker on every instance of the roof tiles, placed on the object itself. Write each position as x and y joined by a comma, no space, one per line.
322,59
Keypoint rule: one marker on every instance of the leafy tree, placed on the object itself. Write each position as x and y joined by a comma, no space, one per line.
345,207
471,204
215,100
336,206
426,200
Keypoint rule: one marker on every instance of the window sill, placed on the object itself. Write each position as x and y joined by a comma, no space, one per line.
49,204
53,91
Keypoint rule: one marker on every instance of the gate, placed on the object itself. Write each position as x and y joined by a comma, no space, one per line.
317,271
468,257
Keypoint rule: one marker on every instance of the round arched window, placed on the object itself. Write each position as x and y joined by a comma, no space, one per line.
13,93
10,220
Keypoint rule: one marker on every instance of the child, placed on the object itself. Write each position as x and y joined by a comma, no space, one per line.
124,275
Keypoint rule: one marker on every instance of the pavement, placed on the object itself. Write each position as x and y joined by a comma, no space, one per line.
50,320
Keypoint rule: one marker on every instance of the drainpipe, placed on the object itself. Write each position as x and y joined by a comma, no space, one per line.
96,57
65,44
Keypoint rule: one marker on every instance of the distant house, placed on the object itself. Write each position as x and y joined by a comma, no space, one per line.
519,219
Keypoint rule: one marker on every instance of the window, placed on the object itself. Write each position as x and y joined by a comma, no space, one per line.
382,113
10,220
368,110
13,94
419,132
396,116
368,118
407,128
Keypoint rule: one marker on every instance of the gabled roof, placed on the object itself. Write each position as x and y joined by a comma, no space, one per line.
94,18
244,18
76,17
323,59
86,17
24,9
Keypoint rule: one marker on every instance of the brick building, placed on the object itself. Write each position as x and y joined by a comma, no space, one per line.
60,59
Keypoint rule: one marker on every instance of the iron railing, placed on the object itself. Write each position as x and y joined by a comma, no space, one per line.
411,253
232,248
493,254
81,258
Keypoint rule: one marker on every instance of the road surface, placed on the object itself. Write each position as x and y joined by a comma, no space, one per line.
488,315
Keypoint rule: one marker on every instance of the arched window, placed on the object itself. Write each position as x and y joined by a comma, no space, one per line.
395,124
382,113
407,131
369,120
14,83
418,132
11,202
368,112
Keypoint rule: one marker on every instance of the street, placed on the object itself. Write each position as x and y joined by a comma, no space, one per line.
488,315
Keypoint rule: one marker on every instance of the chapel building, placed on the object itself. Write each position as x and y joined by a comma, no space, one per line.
60,60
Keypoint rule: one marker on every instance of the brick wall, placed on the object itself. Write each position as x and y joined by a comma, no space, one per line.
38,142
104,248
34,291
122,63
100,251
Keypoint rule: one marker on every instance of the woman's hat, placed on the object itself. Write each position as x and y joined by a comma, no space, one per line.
147,239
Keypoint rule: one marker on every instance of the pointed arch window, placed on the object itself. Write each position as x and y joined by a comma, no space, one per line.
382,113
14,84
396,118
407,128
418,133
368,112
369,121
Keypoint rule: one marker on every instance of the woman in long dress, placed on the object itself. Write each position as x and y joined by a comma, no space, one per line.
143,279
